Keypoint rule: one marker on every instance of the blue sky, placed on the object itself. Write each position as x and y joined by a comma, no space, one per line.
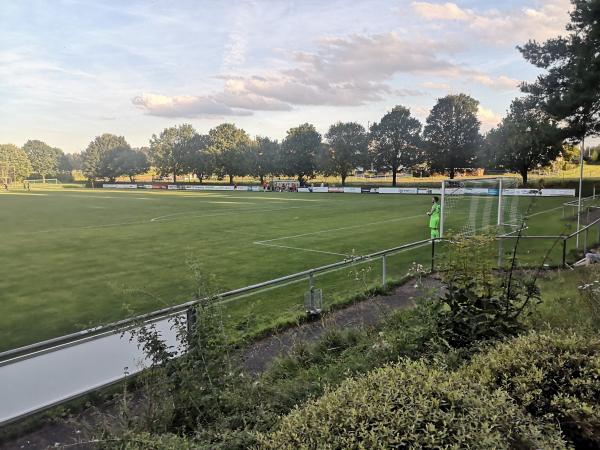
73,69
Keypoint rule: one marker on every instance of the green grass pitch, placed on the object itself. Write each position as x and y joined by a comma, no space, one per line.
71,259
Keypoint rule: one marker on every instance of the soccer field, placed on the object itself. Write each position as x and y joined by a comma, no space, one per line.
71,258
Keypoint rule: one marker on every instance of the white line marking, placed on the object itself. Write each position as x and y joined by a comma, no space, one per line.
19,193
195,214
302,249
543,212
232,203
397,219
303,280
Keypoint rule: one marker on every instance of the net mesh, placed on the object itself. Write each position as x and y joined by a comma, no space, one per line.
471,206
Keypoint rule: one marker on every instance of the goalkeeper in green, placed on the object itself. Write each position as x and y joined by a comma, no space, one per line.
434,218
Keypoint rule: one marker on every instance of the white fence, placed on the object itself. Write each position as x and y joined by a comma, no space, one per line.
354,189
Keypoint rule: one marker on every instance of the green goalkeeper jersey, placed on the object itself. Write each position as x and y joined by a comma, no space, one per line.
434,220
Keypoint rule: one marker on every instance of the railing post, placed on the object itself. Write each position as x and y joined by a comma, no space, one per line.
191,320
564,253
433,254
384,270
585,240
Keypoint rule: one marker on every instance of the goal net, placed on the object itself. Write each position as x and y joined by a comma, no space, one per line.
478,206
43,181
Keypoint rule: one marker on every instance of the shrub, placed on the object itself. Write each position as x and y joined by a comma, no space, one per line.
477,304
555,377
410,405
145,441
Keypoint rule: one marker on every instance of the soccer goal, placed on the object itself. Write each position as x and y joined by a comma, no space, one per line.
43,181
479,205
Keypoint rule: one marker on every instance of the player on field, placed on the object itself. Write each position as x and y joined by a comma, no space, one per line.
434,218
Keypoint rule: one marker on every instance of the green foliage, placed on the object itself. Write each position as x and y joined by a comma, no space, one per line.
347,148
396,141
93,156
570,297
299,149
525,139
265,158
229,146
121,161
14,164
411,405
554,376
171,151
478,305
44,159
452,133
569,91
145,441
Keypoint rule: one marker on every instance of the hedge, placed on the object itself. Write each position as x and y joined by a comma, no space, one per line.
410,405
554,376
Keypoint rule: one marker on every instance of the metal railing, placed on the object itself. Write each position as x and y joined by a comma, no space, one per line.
564,238
224,297
25,358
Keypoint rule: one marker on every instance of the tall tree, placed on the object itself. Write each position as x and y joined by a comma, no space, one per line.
74,161
44,159
265,158
171,152
525,139
452,133
96,150
14,164
569,90
299,151
230,147
347,149
396,141
122,161
202,162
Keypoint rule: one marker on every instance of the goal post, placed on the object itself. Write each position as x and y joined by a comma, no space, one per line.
43,181
476,205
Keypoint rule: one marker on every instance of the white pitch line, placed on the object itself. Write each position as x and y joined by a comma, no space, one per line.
228,213
303,280
397,219
301,249
543,212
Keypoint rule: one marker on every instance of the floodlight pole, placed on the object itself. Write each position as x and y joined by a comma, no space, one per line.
580,189
442,208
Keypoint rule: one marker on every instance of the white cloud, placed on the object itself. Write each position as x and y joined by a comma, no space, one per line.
544,20
346,71
440,11
488,118
343,71
183,106
501,82
436,85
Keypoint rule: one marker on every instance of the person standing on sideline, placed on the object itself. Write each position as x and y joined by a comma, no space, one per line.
434,218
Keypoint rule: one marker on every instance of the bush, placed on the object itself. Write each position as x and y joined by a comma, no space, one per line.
555,377
410,405
480,305
145,441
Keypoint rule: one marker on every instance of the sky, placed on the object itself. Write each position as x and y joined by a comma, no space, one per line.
73,69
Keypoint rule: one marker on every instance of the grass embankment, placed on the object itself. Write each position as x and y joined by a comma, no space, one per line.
439,393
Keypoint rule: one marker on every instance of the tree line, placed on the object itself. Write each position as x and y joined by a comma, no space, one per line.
449,140
563,104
